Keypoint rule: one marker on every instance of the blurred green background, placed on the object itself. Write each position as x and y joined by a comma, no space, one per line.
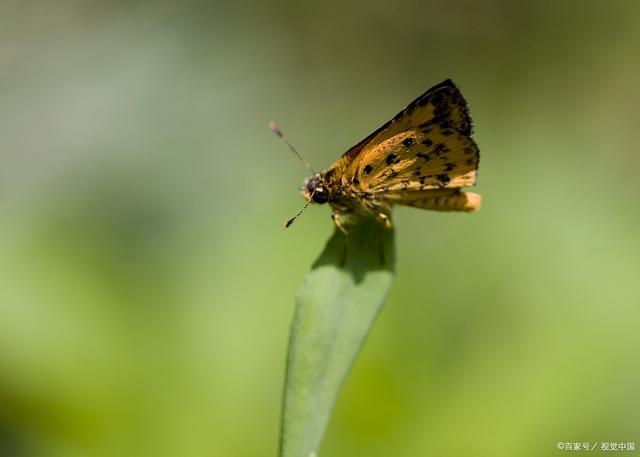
147,285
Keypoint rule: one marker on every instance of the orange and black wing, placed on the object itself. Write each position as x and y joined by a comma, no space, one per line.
443,106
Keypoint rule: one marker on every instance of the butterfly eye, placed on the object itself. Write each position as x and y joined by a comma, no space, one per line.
321,195
317,189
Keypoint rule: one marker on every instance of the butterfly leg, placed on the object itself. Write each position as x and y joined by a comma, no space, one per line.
385,220
386,225
336,220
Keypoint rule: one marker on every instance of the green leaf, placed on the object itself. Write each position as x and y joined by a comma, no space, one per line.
337,304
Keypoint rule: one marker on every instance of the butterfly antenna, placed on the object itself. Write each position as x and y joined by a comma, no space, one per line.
278,132
290,221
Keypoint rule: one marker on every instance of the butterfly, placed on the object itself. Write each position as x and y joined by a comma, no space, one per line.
422,158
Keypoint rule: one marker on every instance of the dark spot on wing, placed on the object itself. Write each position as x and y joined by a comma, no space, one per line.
437,99
422,180
423,101
443,178
427,142
367,169
468,150
440,149
449,166
423,155
447,132
391,159
408,142
417,172
442,111
356,181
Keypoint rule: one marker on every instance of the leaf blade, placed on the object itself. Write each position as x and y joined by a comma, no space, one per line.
337,304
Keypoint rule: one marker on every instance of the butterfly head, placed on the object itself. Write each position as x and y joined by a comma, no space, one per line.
315,189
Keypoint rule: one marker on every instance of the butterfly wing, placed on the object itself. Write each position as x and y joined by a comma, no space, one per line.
420,167
443,105
438,200
417,159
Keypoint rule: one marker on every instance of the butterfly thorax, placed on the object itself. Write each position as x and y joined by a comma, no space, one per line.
324,188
